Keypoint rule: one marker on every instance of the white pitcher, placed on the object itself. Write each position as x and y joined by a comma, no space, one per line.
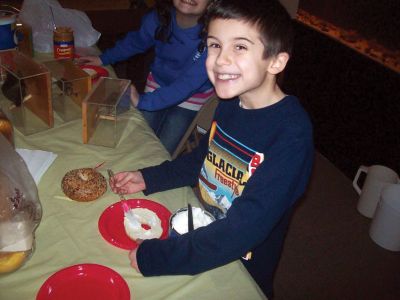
377,177
385,227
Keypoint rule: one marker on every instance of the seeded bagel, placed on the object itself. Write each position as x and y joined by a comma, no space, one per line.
84,184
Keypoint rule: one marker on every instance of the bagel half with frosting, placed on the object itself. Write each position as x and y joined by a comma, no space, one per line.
152,225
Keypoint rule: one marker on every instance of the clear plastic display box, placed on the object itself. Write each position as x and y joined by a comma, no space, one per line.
101,110
70,85
25,85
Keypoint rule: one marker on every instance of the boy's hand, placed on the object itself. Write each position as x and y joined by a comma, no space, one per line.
127,182
89,60
132,257
134,96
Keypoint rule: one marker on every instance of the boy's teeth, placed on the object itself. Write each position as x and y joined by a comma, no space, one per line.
227,76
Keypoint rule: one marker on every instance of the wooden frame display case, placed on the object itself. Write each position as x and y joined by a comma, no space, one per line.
70,85
26,86
101,123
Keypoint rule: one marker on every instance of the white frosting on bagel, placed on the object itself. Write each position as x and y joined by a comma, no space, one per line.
145,217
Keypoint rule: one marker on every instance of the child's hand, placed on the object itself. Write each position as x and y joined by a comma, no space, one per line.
134,96
127,182
132,257
89,60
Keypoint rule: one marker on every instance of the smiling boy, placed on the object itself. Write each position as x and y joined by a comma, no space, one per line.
255,162
236,67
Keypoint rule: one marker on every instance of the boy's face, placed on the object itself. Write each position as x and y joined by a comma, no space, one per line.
235,63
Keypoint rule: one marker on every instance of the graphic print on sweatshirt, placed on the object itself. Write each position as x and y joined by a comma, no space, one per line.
225,171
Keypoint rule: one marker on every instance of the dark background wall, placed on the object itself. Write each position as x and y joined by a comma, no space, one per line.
354,102
374,19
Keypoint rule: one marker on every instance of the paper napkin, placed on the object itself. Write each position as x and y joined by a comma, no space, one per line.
38,161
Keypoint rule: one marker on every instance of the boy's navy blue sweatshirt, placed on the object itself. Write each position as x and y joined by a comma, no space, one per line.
251,167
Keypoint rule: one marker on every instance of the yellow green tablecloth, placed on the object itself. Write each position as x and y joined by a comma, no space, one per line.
68,233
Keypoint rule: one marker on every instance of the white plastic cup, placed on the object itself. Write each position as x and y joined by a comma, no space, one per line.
377,178
385,227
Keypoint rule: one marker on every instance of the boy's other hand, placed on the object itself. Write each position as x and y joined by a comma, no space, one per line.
89,60
127,182
132,257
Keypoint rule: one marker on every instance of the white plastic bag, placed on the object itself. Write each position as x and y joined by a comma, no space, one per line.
20,209
44,15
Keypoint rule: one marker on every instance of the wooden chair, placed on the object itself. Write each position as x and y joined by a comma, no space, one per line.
199,126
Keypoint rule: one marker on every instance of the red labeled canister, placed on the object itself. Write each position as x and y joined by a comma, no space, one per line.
63,42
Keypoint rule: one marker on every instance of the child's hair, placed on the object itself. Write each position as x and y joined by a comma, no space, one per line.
272,19
163,8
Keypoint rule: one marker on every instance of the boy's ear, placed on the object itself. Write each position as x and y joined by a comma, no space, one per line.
278,63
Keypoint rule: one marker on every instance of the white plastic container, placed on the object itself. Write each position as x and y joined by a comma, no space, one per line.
377,178
385,227
178,223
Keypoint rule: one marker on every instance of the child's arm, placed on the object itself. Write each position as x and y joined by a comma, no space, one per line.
134,42
193,80
165,176
183,171
269,193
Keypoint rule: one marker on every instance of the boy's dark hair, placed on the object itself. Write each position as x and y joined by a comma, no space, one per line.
272,19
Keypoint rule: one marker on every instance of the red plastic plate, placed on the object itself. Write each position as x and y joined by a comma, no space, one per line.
99,71
111,222
86,282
